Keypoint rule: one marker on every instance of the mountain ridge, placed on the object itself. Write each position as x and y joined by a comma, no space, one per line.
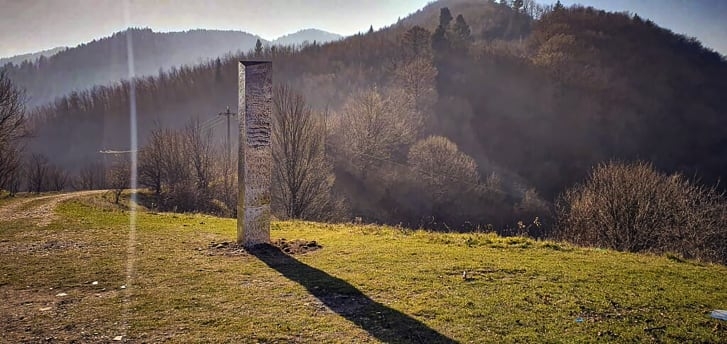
310,35
31,57
103,61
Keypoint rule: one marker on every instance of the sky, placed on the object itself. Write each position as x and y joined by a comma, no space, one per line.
33,25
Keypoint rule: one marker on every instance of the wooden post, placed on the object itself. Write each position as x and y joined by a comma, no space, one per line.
255,154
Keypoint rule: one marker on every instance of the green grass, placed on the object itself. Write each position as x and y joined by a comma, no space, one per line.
367,284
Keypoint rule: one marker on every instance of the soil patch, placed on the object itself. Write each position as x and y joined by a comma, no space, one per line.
297,246
291,247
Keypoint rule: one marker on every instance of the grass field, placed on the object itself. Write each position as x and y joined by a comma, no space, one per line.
366,284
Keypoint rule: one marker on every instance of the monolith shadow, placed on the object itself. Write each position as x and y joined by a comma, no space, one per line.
386,324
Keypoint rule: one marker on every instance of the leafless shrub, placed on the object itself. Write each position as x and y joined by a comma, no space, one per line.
535,215
632,207
57,178
180,168
119,176
92,176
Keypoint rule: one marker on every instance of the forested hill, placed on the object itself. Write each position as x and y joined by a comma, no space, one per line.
103,61
535,95
30,57
306,36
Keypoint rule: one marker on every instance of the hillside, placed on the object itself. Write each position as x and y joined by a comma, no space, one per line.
327,74
366,284
104,61
306,35
30,57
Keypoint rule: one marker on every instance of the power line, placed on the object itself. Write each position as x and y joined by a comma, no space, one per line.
208,121
210,124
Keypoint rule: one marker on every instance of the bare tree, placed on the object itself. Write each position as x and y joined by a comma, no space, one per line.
229,186
373,127
176,168
417,80
151,162
37,171
119,177
302,177
91,177
163,163
15,181
199,152
11,129
443,167
57,178
10,165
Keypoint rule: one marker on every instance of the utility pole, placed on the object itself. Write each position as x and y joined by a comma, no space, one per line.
227,155
227,143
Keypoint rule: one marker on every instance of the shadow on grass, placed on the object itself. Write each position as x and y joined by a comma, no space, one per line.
386,324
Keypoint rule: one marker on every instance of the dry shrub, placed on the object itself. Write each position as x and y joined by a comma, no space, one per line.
632,207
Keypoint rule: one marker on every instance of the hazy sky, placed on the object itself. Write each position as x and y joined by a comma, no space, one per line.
34,25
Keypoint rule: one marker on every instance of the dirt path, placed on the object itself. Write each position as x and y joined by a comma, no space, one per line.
43,213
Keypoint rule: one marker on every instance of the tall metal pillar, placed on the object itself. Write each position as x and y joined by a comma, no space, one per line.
254,169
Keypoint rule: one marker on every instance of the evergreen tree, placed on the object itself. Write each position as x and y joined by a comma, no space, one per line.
416,42
462,29
258,48
371,30
445,17
440,44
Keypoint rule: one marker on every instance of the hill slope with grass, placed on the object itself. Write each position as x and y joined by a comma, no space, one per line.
68,282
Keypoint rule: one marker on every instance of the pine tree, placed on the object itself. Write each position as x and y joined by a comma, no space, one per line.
258,48
440,44
462,29
445,17
416,42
